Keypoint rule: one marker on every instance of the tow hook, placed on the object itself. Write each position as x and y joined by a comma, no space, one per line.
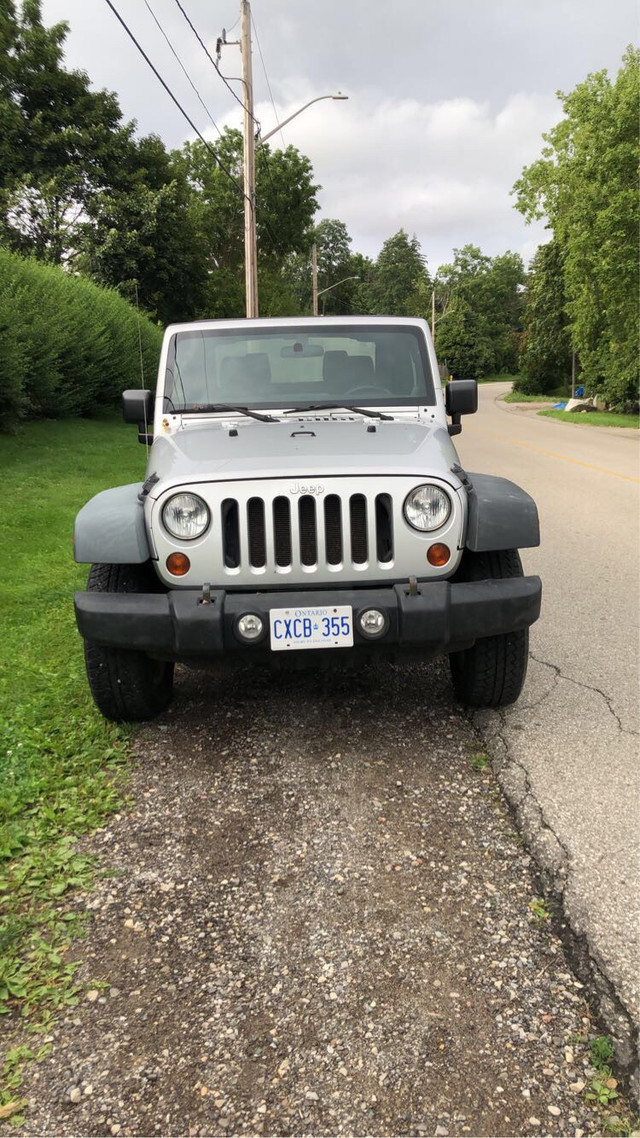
205,599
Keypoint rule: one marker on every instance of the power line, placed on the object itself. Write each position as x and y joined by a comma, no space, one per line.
262,145
188,77
266,77
215,65
178,105
193,126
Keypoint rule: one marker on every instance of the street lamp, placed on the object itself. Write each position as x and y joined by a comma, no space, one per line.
264,137
328,289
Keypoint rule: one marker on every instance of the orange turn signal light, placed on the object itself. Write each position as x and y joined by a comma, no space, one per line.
178,564
438,554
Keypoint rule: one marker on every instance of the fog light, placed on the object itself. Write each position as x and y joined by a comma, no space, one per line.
438,554
178,564
372,622
250,626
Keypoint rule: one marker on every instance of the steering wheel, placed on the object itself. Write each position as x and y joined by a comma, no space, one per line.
365,389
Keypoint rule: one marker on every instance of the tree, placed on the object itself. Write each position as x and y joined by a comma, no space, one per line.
334,264
462,343
401,278
144,239
585,184
362,296
545,359
67,142
333,243
10,120
285,206
481,304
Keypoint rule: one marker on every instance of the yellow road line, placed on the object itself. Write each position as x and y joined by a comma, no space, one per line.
552,454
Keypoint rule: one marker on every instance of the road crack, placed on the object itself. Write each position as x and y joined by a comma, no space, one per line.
549,850
560,675
553,859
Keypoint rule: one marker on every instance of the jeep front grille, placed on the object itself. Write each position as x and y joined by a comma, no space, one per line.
276,532
306,531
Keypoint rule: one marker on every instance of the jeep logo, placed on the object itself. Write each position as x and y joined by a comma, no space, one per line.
306,488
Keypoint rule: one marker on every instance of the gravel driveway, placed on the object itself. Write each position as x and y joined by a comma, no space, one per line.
317,921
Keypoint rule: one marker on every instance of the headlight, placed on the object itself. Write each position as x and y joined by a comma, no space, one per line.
427,508
185,516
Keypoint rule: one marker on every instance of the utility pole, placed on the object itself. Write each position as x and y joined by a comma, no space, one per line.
314,276
249,166
433,315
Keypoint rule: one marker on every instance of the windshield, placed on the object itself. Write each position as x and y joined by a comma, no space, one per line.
291,367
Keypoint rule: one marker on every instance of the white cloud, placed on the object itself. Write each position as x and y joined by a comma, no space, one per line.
442,170
445,108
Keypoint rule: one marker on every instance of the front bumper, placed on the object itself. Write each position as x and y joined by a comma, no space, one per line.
441,616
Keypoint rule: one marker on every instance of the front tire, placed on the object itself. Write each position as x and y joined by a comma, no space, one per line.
127,686
493,671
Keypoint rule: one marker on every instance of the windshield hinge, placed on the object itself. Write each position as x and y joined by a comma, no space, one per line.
462,474
147,484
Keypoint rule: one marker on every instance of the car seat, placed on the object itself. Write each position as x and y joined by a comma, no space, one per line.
245,377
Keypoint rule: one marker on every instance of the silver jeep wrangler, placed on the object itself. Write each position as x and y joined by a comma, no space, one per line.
303,501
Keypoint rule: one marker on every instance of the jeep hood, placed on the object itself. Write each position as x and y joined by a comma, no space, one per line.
301,448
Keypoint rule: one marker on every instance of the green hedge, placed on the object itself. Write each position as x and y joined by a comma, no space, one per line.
67,346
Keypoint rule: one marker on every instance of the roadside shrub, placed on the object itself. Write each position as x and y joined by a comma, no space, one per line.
68,346
535,385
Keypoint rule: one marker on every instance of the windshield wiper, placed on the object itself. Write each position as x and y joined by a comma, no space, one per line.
337,407
227,407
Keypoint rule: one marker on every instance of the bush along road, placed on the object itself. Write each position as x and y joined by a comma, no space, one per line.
316,917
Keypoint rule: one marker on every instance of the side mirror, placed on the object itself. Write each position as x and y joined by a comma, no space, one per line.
137,407
460,398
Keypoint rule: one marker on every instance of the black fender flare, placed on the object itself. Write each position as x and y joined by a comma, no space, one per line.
110,529
500,515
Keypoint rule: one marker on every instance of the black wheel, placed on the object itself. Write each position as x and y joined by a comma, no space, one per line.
127,686
492,673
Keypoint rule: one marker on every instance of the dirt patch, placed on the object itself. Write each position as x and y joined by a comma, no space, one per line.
320,923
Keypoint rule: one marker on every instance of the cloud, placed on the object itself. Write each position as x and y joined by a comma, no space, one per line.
442,170
447,102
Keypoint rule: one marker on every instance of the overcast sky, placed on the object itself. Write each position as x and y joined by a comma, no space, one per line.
447,100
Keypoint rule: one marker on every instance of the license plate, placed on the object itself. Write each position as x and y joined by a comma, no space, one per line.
296,628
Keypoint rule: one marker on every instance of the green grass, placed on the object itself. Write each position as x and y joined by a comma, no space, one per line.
504,377
58,757
516,397
601,1052
541,909
594,418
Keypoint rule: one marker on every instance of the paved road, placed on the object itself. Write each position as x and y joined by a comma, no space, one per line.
569,749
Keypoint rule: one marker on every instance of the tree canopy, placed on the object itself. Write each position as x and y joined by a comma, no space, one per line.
479,312
585,184
80,189
77,187
545,358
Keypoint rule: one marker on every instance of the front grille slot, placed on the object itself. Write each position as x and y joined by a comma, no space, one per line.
282,532
333,528
272,531
230,533
257,533
358,520
308,532
384,528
